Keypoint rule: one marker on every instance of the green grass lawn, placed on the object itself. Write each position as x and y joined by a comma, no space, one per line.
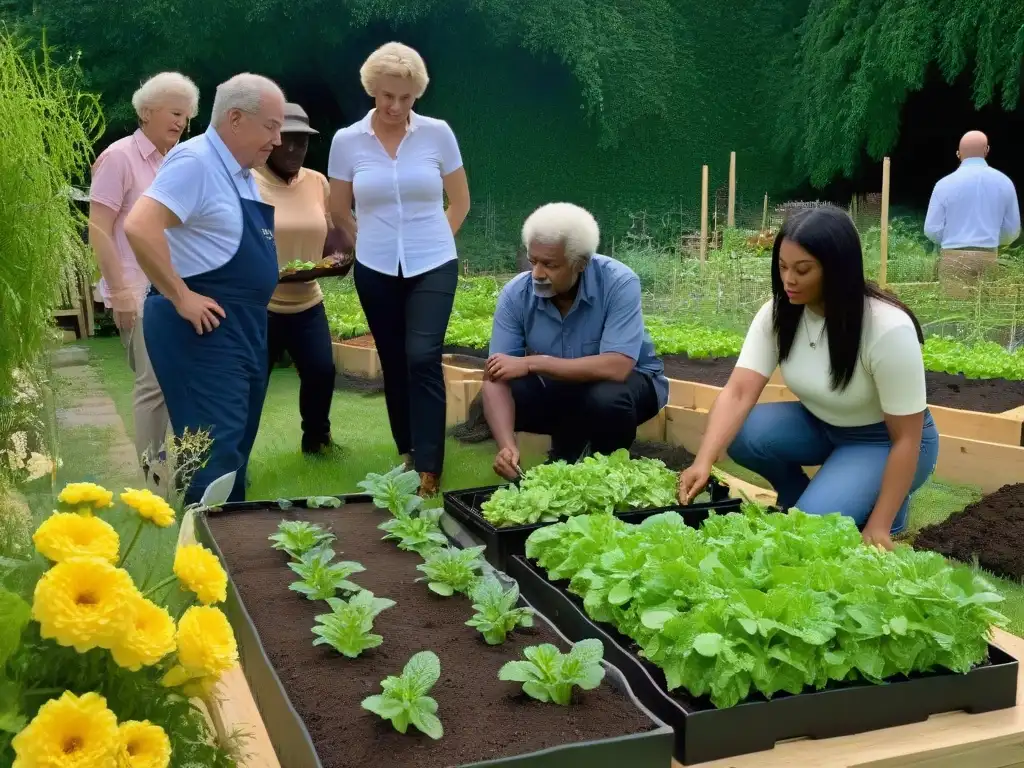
278,469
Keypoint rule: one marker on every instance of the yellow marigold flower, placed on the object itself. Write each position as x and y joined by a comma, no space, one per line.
206,646
145,745
64,535
69,732
86,495
85,603
148,639
200,571
149,506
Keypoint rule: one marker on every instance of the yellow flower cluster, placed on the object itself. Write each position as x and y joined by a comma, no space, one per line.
149,505
206,649
200,572
64,535
81,732
148,638
86,496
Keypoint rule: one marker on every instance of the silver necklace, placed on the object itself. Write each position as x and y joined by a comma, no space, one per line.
814,344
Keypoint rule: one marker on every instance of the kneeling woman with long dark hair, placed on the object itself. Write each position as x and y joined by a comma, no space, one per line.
852,355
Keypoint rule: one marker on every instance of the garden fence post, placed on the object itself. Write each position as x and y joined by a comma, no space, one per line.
703,213
883,266
764,214
731,219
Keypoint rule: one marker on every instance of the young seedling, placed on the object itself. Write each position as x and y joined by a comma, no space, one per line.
297,537
496,612
420,534
451,570
405,698
347,627
324,502
548,675
320,578
394,491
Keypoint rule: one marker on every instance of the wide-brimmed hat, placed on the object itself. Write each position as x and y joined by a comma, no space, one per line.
296,120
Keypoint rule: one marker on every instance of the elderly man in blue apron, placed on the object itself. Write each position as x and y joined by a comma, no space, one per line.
206,243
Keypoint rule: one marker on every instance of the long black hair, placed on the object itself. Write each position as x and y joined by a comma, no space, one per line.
829,235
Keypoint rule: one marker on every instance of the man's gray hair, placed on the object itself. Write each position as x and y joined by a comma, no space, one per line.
244,92
564,224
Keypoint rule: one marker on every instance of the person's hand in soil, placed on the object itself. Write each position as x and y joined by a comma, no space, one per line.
877,536
506,463
692,481
506,367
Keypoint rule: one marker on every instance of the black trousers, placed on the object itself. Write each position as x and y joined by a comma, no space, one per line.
307,338
408,317
603,414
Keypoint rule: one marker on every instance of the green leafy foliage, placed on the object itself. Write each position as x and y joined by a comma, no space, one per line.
394,491
770,602
420,534
984,360
451,570
324,502
297,537
348,627
405,698
298,265
599,483
496,612
320,577
549,675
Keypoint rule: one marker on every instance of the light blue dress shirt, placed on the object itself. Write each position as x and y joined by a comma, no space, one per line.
973,207
605,317
201,191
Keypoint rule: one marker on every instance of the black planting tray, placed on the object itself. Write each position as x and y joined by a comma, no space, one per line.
704,732
503,543
291,740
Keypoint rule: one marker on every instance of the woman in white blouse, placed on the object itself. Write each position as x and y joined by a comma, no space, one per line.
852,355
397,166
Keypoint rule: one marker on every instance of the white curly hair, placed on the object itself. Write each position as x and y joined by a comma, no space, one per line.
152,93
564,224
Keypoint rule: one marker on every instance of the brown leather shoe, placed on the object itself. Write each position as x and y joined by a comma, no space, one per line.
429,485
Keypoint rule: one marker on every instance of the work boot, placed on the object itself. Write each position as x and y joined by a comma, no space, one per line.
429,485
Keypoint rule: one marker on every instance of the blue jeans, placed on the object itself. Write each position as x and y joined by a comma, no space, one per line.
779,439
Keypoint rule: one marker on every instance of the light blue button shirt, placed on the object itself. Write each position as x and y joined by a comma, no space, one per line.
203,193
973,207
605,317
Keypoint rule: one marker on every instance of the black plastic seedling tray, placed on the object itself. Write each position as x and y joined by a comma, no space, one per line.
503,543
704,732
291,740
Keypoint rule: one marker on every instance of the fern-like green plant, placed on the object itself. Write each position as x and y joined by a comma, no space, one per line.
320,577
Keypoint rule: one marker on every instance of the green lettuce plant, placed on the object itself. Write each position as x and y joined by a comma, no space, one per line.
297,537
347,628
320,578
549,675
496,612
451,570
420,534
404,700
394,491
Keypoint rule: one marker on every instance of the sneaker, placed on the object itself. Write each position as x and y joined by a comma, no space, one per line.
320,447
429,485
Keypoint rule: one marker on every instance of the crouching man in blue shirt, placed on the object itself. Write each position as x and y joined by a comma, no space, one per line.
569,354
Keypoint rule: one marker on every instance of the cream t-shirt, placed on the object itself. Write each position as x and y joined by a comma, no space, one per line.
888,379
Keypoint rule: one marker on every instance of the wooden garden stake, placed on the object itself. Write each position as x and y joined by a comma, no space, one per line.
764,214
731,219
703,214
883,266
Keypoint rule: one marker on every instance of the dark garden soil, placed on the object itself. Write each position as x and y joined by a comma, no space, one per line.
985,395
483,717
991,530
675,457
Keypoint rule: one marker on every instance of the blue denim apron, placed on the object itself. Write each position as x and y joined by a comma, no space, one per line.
217,381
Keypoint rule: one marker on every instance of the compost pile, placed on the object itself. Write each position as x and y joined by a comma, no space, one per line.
991,530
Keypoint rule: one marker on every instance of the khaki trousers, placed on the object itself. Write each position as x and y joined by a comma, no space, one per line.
150,411
960,270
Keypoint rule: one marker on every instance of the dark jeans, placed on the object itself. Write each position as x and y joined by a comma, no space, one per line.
307,338
603,414
408,317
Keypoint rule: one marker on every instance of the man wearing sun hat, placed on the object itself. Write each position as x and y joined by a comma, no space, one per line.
297,322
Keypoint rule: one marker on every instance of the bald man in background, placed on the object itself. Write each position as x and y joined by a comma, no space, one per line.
972,212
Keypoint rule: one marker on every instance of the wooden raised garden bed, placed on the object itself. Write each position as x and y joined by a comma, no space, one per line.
310,696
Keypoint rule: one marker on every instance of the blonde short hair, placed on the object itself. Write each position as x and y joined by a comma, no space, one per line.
152,93
564,224
394,60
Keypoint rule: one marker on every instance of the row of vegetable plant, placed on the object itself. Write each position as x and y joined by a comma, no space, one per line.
475,300
755,603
